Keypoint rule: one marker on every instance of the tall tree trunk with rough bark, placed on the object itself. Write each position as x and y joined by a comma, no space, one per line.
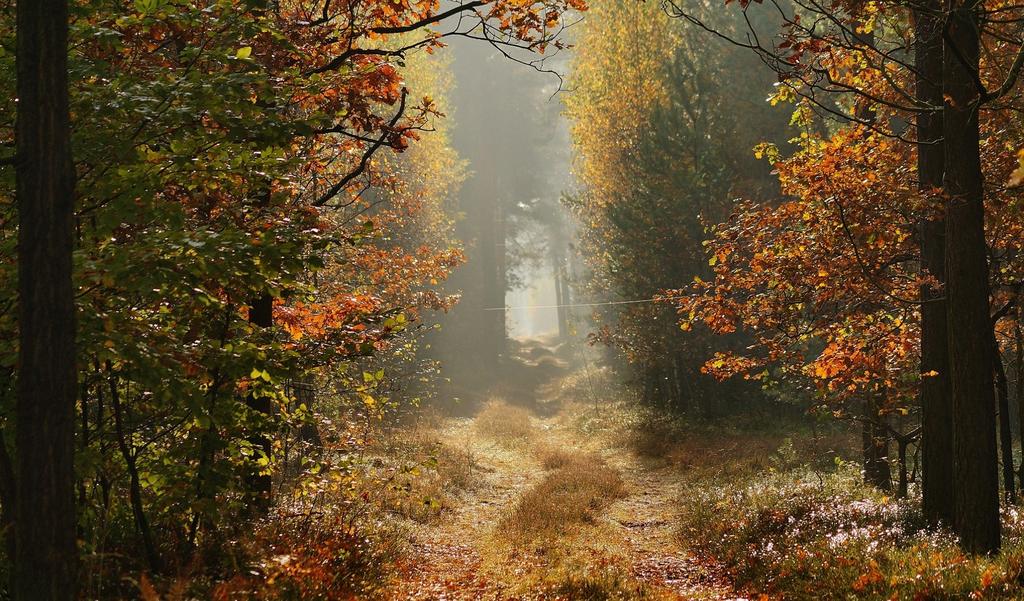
45,565
936,398
975,471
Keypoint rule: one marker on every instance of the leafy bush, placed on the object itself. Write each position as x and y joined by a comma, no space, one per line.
345,557
419,475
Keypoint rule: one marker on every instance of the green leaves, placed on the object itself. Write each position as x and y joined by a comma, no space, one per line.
148,7
260,374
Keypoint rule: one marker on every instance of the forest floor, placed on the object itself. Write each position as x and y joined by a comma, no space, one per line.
497,541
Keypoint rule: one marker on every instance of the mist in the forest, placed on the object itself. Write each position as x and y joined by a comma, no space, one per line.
507,124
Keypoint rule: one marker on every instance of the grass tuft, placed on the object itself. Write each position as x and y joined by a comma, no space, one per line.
600,583
504,423
552,457
571,494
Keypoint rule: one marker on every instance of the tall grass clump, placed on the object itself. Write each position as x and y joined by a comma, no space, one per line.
504,423
571,494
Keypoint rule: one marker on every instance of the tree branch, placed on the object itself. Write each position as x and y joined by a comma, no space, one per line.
367,155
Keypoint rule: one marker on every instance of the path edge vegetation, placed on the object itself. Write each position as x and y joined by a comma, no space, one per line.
39,485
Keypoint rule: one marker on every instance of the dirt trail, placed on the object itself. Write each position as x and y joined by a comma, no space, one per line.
648,521
450,558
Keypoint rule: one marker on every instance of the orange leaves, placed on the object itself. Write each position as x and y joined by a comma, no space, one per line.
726,365
342,315
828,266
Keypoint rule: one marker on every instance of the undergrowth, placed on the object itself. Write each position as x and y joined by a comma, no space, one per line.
799,534
418,475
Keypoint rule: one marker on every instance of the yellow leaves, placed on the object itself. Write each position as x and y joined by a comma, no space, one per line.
767,150
1017,176
259,374
803,116
783,93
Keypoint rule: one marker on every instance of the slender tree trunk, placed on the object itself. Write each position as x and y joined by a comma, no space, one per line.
134,485
261,313
561,290
1005,436
1018,335
901,491
648,376
936,396
975,471
45,566
681,385
875,441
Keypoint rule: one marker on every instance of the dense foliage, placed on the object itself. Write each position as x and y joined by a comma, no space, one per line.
880,281
663,129
261,228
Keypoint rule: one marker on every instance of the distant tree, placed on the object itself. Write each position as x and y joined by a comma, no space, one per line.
664,130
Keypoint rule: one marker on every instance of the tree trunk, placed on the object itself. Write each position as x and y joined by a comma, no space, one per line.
936,397
46,562
1018,335
975,471
683,404
134,484
1005,437
875,446
901,490
7,496
261,314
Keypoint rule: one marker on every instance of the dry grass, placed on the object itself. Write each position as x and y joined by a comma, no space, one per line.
422,475
504,423
571,494
554,457
599,583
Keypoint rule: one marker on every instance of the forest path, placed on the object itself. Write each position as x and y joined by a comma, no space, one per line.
466,554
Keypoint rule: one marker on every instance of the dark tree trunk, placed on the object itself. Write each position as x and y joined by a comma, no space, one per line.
1005,437
46,562
1018,335
134,484
261,314
901,490
649,383
683,404
875,446
936,396
7,496
975,471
